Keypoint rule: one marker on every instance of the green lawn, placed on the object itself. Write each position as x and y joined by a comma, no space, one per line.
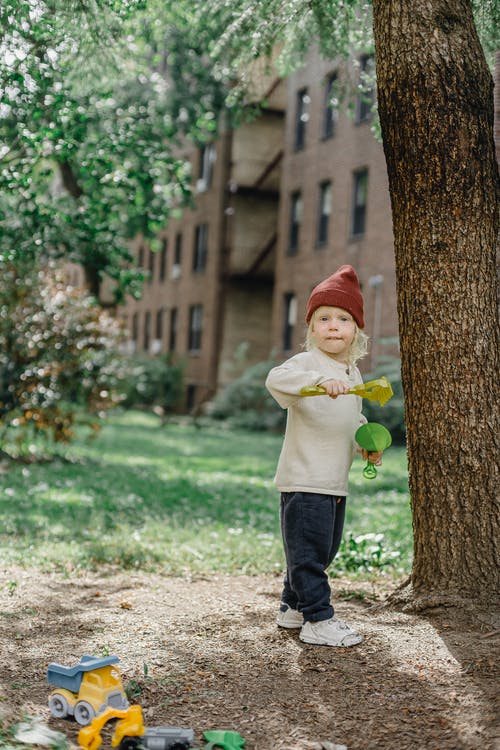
183,499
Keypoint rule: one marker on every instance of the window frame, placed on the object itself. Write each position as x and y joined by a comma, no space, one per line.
302,103
195,329
200,249
359,209
323,220
163,259
295,222
289,320
330,113
135,328
147,331
151,266
365,99
207,157
173,328
159,323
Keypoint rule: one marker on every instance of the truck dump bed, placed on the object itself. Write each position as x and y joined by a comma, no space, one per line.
70,678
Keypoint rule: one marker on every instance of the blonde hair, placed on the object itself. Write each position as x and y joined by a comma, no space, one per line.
357,350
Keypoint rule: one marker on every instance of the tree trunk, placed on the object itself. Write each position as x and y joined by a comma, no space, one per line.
70,182
435,100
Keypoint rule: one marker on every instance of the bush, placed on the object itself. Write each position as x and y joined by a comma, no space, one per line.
247,403
365,553
152,381
56,355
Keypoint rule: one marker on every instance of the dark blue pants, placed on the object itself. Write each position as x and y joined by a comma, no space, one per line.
311,527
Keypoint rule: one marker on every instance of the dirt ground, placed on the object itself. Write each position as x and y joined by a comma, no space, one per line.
205,653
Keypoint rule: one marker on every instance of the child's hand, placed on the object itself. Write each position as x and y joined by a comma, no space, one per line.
336,388
375,457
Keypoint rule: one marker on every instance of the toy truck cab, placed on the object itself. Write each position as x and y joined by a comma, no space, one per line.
86,689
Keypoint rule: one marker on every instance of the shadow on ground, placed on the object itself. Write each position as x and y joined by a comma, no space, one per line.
206,653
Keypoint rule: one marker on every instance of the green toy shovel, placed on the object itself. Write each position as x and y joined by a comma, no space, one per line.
222,739
373,437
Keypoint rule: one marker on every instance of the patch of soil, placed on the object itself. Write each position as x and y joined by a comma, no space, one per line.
206,653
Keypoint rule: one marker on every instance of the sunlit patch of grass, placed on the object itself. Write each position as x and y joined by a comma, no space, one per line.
179,499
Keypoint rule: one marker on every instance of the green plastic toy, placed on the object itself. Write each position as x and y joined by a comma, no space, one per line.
373,437
374,390
221,739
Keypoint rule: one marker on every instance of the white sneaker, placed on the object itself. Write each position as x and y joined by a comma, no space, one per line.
331,632
289,618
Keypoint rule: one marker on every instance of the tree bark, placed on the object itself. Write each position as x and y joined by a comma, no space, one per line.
435,101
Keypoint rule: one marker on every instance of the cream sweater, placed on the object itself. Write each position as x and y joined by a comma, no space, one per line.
319,444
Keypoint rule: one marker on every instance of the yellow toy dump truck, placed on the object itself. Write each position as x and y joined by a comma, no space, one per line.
86,689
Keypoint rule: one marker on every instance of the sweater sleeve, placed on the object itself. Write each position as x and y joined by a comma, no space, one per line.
285,381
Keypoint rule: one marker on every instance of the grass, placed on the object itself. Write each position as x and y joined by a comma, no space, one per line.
183,499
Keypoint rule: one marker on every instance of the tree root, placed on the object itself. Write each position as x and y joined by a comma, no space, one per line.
406,599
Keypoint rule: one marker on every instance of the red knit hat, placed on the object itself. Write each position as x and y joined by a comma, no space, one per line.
341,289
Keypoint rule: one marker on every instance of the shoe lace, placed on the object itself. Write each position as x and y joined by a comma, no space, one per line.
340,624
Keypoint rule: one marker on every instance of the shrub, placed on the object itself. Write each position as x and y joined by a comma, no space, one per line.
247,403
153,381
365,553
56,354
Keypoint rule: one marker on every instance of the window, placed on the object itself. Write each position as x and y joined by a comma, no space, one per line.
147,331
135,327
160,315
295,219
366,89
176,266
290,319
172,339
200,247
206,166
151,267
163,259
324,211
360,191
301,118
330,107
195,328
190,397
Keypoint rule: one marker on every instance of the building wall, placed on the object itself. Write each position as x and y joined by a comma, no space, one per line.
251,156
247,333
249,269
183,287
352,147
239,208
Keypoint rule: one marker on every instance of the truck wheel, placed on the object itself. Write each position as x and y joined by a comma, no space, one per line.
130,743
58,706
84,713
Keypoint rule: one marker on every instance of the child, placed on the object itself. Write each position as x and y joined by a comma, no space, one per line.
317,453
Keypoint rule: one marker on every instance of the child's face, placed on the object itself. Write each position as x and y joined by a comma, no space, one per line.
333,331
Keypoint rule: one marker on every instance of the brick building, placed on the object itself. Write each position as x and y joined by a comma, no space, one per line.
281,202
334,209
